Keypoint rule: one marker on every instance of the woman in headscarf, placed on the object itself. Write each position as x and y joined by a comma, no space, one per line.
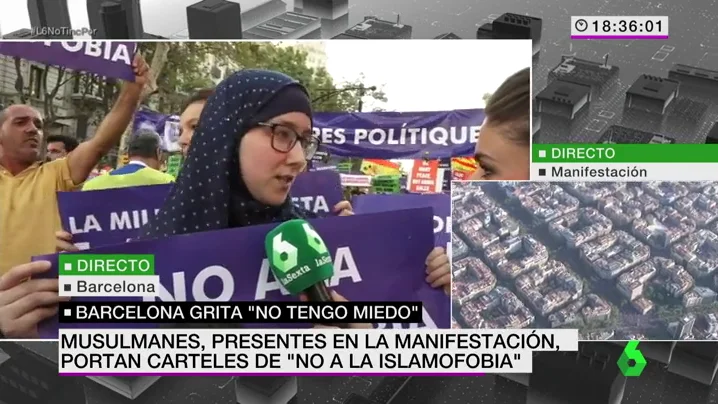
254,138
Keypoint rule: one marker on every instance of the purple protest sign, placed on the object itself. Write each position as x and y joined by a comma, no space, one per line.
318,191
100,218
167,126
440,203
111,216
387,263
399,135
383,135
110,59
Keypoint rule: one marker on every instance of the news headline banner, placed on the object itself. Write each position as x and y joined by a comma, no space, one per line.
312,352
386,264
624,162
241,312
106,217
110,59
439,203
383,135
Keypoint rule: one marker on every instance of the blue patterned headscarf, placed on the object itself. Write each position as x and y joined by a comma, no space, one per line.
210,193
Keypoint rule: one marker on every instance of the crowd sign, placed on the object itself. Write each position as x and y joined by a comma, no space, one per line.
166,126
174,163
440,203
110,59
381,135
424,175
214,266
100,218
386,184
445,166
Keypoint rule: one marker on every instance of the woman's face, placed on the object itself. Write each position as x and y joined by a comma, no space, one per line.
267,173
500,158
188,123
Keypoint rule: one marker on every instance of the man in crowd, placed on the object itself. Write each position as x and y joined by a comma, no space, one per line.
29,214
59,146
145,153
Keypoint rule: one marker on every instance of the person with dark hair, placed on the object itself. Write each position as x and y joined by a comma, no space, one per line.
503,149
145,153
29,214
189,118
59,146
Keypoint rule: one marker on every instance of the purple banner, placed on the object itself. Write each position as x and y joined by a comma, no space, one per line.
100,218
440,203
378,135
399,135
385,264
109,59
167,126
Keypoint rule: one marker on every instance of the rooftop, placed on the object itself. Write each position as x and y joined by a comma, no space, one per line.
564,92
654,87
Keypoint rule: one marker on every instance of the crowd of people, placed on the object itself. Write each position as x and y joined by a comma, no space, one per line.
245,142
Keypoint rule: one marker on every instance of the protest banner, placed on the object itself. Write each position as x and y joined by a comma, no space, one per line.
424,176
100,218
386,184
386,264
166,126
350,180
440,203
399,135
376,135
109,59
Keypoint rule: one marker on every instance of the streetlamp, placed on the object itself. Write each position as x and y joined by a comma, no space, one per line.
331,92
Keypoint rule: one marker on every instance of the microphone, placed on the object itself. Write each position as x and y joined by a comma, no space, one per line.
300,260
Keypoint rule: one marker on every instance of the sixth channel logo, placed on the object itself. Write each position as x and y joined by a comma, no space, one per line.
631,362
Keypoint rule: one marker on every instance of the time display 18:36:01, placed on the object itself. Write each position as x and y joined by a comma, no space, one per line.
627,26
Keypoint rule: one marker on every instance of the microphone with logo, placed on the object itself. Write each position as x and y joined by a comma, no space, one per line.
300,261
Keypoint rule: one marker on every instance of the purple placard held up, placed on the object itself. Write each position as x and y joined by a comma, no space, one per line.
440,203
377,257
318,191
100,218
110,59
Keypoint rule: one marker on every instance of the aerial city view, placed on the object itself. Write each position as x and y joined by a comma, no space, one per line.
615,260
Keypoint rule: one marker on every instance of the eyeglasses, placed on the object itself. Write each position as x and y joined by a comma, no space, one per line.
285,138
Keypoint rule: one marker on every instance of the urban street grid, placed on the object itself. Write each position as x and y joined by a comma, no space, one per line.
618,261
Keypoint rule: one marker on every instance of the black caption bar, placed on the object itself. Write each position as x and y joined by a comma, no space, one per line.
241,312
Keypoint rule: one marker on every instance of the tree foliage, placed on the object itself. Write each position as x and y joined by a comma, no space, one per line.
178,69
193,65
91,95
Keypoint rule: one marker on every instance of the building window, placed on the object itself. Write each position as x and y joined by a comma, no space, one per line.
36,74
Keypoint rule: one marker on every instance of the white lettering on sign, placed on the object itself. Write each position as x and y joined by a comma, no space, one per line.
402,136
442,224
98,49
316,204
90,224
125,220
129,219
